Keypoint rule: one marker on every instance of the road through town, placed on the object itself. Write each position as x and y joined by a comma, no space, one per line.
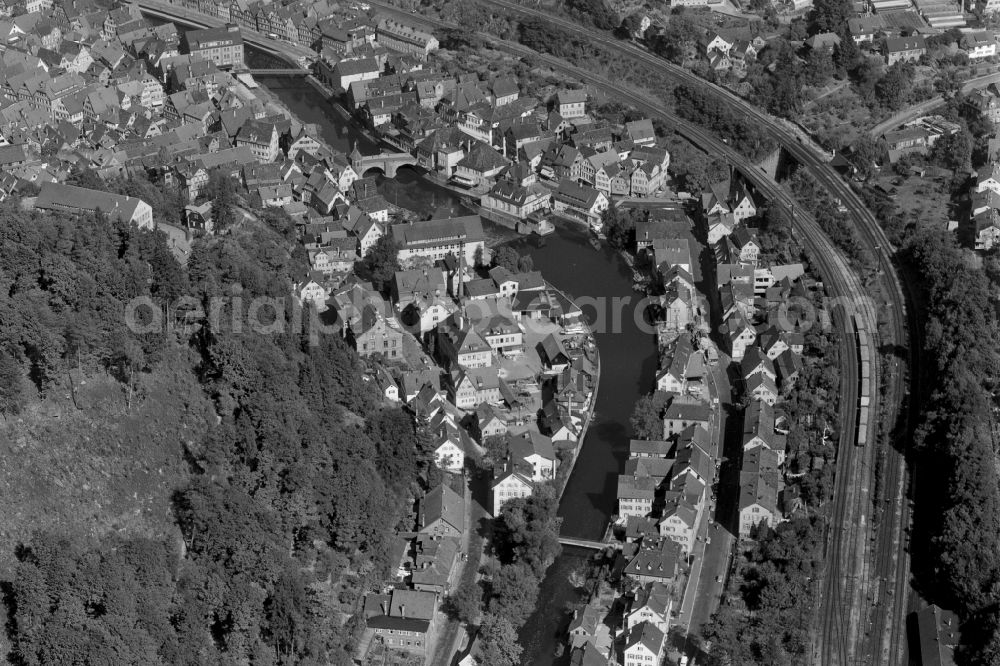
841,584
885,579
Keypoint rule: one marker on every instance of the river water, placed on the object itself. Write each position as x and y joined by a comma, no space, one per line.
628,359
628,368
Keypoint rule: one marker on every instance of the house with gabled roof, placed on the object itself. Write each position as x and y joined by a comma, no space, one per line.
760,485
403,620
904,49
534,452
489,422
433,561
504,90
657,469
461,346
583,626
553,353
517,200
649,448
571,103
635,495
755,362
451,444
442,512
588,654
651,603
654,559
763,388
938,632
473,386
407,286
988,178
561,161
378,334
413,381
437,238
681,414
741,334
641,132
682,512
509,483
480,166
580,202
758,429
672,378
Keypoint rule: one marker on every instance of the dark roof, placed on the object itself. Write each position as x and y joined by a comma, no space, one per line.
432,232
898,44
647,446
646,633
572,96
55,196
636,487
687,411
398,623
226,35
937,631
443,503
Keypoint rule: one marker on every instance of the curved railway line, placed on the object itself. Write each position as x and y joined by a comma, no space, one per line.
885,579
845,591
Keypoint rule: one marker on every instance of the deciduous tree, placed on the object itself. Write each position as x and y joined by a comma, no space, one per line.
498,641
380,264
647,415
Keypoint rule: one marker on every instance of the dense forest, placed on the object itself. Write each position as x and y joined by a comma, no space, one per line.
957,523
283,473
702,107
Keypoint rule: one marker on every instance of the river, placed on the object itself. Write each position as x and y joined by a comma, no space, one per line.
628,359
628,368
408,190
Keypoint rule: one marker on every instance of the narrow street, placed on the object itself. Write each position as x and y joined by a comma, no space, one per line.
452,632
716,532
719,527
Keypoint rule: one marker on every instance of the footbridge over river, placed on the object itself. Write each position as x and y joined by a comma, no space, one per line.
584,543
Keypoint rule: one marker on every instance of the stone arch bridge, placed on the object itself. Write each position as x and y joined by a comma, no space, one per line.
387,163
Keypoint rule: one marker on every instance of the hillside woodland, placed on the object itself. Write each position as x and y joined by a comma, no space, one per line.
201,494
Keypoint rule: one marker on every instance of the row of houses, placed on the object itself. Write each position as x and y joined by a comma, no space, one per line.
323,25
405,618
519,155
984,208
665,490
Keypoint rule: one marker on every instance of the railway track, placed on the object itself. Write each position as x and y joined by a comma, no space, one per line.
890,552
845,589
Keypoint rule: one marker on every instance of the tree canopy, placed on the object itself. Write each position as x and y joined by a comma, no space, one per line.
292,492
380,263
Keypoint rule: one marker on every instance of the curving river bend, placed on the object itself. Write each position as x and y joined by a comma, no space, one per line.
628,360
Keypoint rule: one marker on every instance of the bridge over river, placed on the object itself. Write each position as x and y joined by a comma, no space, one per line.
287,71
387,163
293,54
584,543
